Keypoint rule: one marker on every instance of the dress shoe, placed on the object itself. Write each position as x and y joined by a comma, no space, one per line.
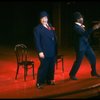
39,86
96,75
50,83
73,78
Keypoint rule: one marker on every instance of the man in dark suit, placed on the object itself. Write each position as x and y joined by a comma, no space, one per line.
45,41
82,47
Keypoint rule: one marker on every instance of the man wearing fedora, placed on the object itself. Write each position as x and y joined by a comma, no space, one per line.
45,41
82,47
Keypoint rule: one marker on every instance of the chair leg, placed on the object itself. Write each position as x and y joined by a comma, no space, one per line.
25,72
17,72
56,64
33,71
62,65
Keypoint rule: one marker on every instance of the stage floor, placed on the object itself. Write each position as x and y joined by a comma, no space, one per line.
85,87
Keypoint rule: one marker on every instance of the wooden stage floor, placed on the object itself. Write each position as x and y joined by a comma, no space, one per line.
85,87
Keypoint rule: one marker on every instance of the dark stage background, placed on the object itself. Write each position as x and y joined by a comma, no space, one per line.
18,19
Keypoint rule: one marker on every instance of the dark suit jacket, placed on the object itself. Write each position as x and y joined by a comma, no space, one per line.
81,37
45,41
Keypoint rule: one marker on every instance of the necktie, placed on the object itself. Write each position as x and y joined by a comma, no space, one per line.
48,27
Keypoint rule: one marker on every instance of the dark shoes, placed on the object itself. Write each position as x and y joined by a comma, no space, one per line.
50,83
92,74
95,74
73,78
39,86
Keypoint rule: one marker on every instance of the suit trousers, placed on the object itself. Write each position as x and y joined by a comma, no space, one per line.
46,70
88,52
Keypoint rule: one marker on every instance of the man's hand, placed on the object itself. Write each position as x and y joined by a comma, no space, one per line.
96,26
41,55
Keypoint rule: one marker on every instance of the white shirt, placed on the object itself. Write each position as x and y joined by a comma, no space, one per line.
83,26
80,24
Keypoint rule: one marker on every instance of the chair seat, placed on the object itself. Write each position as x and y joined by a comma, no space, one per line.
26,63
59,56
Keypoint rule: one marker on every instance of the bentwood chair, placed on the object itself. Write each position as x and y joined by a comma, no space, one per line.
22,59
